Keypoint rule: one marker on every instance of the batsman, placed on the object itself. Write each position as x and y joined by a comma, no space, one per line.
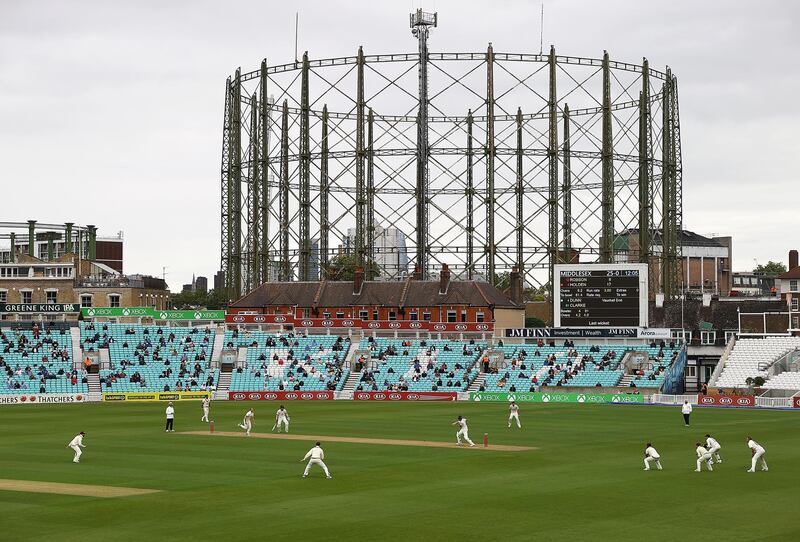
281,419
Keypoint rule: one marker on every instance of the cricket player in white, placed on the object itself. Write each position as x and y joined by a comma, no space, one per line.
247,423
513,414
758,453
703,457
76,444
651,456
317,455
713,447
282,418
463,431
206,404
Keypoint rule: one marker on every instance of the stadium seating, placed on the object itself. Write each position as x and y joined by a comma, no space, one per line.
654,378
789,380
288,362
748,354
147,358
31,364
393,362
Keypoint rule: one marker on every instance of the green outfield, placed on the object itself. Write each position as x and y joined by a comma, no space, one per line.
583,480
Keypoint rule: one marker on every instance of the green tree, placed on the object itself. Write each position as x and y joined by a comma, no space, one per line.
771,268
342,267
211,299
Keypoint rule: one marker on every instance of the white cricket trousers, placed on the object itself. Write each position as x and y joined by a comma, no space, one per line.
648,460
205,415
707,459
514,416
714,451
246,426
756,457
319,462
78,452
283,422
463,433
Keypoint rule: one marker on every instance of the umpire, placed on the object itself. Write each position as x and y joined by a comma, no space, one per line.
170,419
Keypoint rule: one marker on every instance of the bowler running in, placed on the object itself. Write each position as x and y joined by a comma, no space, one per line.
463,431
247,423
206,404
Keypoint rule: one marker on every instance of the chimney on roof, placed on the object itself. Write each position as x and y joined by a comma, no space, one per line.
358,280
792,259
516,286
444,279
418,273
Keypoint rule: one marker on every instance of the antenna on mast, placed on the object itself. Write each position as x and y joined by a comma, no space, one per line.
296,25
541,31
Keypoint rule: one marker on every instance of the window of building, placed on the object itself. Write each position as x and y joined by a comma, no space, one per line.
793,285
27,296
326,314
339,314
364,315
708,337
691,370
729,335
413,316
392,315
796,322
463,316
795,304
479,317
86,300
3,296
451,316
9,271
306,313
374,315
426,316
51,296
685,334
114,300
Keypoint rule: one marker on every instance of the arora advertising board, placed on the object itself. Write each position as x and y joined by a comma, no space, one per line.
157,396
727,400
42,399
280,396
404,396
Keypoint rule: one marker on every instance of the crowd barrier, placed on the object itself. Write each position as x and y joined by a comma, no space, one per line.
404,396
281,396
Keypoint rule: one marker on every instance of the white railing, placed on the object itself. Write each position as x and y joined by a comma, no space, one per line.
774,402
663,399
722,361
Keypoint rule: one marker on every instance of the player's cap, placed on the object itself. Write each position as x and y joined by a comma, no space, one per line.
317,443
83,433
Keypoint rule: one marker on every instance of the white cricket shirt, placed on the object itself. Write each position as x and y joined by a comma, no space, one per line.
170,412
701,451
712,443
753,445
78,441
315,453
686,408
651,452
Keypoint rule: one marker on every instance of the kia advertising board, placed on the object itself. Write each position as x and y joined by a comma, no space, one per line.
280,396
726,400
404,396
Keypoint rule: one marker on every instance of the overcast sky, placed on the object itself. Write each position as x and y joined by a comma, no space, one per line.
111,112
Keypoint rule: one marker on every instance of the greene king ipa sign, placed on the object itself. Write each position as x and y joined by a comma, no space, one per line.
40,307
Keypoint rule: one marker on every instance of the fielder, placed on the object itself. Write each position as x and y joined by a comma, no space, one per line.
206,404
651,456
758,452
713,447
513,414
463,431
282,418
703,457
317,455
76,444
247,423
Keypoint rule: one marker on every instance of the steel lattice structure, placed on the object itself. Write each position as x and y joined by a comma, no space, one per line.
487,161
